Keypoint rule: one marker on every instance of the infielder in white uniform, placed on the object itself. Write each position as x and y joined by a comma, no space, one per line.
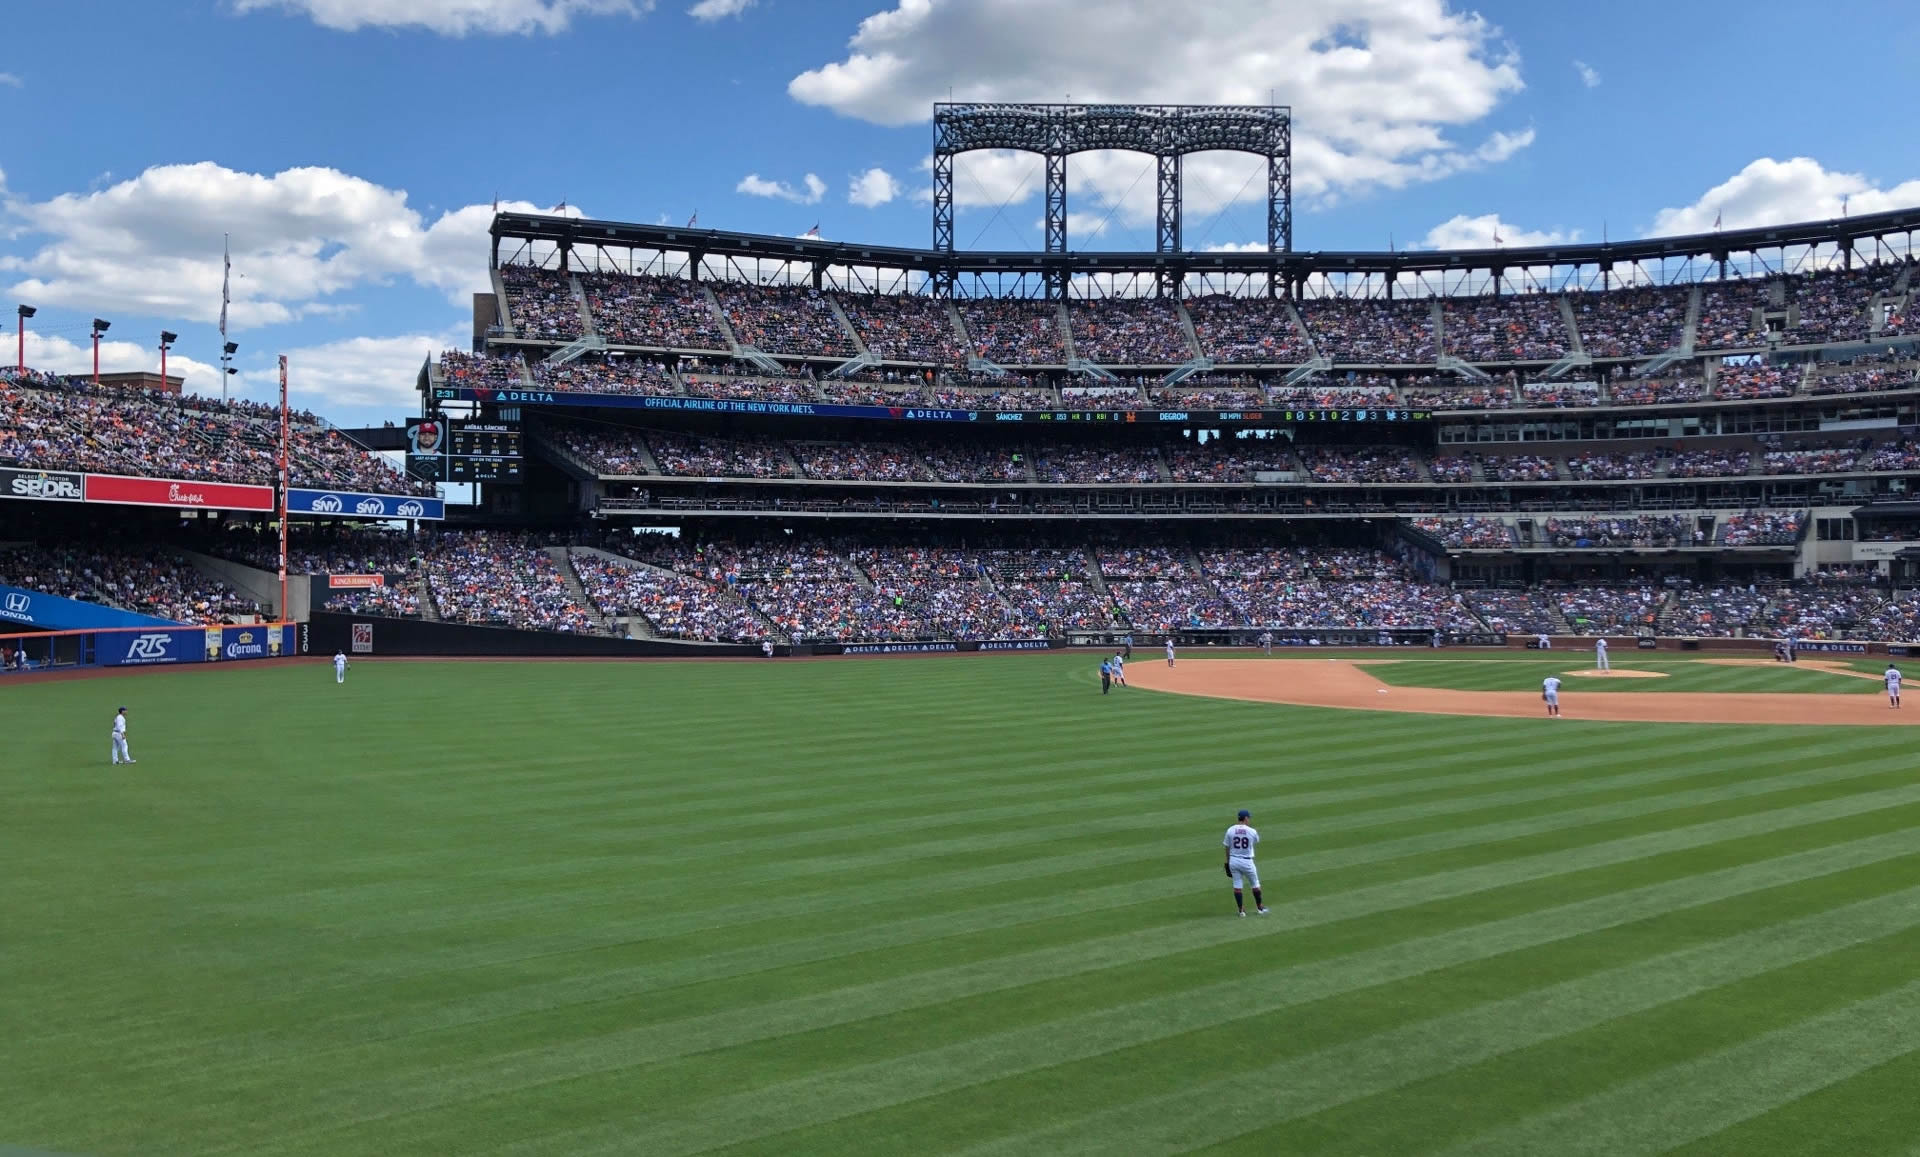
339,666
1550,691
1240,842
1600,662
1169,652
120,752
1893,685
1120,669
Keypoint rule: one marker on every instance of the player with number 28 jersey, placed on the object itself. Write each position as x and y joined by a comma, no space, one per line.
1240,842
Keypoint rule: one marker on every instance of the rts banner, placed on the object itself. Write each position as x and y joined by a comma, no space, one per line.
149,648
345,504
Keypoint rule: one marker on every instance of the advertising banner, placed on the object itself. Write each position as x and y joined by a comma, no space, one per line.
247,642
355,582
347,504
1814,646
124,491
363,638
25,608
918,413
42,485
150,648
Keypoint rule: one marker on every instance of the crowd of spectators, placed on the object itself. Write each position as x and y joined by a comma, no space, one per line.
611,377
1024,397
540,302
1451,468
1748,382
1630,322
752,388
1655,530
858,461
1467,533
1831,304
659,312
1728,315
395,602
1504,329
145,579
1894,456
1763,528
1779,458
718,458
503,579
1657,392
1337,394
1465,396
853,392
1519,468
1229,459
1371,332
784,319
1128,331
1713,612
1717,462
905,327
1202,394
1559,395
1617,466
1513,612
1101,398
1237,331
1366,464
676,606
1610,610
1862,381
1012,331
1819,610
959,463
479,371
1103,464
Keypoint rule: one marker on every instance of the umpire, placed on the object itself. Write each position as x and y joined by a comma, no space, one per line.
1106,676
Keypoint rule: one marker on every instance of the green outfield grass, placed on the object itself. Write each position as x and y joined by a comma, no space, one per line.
1501,673
935,906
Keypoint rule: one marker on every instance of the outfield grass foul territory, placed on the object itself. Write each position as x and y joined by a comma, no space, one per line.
955,905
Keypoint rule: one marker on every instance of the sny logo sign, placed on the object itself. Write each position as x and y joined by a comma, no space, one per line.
327,504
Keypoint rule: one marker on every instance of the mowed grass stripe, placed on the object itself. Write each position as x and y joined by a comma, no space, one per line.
1684,1102
612,979
1210,1004
444,1001
1254,1097
1483,1031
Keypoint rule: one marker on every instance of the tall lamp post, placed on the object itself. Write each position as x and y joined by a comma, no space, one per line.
25,312
99,327
166,343
226,365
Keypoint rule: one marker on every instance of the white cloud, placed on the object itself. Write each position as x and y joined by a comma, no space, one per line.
1376,86
1589,75
64,356
9,80
710,10
1464,232
874,187
1080,226
151,245
1770,192
451,17
358,371
754,185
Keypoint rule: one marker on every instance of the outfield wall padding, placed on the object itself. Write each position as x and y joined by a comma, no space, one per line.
327,633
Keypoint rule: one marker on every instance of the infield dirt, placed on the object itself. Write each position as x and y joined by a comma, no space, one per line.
1345,683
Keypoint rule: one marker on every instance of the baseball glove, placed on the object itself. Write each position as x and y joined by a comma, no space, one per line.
1228,869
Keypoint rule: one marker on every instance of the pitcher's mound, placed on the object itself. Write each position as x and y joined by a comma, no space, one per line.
1597,673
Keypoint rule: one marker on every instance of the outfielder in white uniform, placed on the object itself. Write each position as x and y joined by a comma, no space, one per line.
1550,691
120,752
1893,685
339,666
1600,662
1240,842
1169,652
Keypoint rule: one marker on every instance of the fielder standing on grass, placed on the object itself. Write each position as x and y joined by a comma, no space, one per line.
1893,685
120,752
339,666
1240,842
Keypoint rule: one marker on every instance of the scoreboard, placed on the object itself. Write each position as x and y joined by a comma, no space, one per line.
483,452
448,451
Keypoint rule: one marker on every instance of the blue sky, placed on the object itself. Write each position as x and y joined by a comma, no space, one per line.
353,148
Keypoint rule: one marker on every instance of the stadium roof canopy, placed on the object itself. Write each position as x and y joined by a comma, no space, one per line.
569,233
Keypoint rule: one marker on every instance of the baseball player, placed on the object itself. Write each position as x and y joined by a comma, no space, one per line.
1542,643
339,666
766,648
1169,651
1600,662
1550,691
1266,641
120,752
1240,842
1893,685
1120,669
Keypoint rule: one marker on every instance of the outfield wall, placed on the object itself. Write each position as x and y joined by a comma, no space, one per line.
327,632
161,646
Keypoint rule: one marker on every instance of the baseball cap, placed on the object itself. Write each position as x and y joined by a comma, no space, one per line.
1245,814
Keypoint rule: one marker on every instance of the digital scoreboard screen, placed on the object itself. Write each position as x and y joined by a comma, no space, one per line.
448,451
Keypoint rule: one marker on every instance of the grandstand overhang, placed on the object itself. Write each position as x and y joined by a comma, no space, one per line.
928,266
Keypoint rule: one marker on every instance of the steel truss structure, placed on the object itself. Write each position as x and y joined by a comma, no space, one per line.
1166,132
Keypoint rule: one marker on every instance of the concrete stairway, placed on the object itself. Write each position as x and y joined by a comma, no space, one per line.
1186,327
846,323
579,593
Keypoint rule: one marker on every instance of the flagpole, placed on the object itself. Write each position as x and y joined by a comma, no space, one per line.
226,281
285,431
